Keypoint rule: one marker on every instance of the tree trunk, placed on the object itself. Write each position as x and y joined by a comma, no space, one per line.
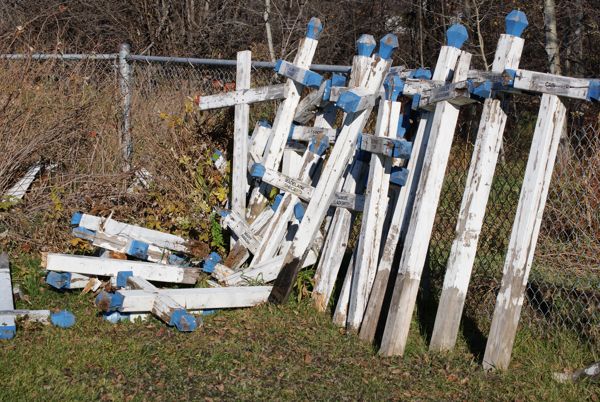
552,49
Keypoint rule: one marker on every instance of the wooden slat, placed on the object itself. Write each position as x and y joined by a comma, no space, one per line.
111,267
376,202
239,177
337,238
446,63
525,231
196,298
474,201
18,190
241,97
7,321
113,227
421,221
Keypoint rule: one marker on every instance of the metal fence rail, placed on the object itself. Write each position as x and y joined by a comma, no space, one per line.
563,293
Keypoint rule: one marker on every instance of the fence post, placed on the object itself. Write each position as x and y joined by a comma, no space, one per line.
125,87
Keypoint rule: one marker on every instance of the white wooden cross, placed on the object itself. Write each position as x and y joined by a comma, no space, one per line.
376,202
477,190
341,154
526,227
423,213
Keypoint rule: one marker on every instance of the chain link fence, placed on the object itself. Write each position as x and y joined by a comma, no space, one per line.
563,293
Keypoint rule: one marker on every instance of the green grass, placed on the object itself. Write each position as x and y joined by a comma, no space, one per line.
268,352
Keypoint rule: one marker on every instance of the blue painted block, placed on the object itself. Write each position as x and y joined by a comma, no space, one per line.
210,262
314,29
480,90
264,123
76,218
183,321
318,144
594,91
365,45
276,202
327,90
299,211
312,79
516,22
349,101
209,312
138,249
393,86
62,319
7,331
224,213
414,105
456,35
402,149
257,170
59,280
399,176
420,74
387,44
338,80
109,301
122,278
115,317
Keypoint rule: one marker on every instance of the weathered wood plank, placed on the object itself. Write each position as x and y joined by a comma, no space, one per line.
241,97
337,236
18,190
340,156
111,267
423,214
193,298
445,65
239,177
474,201
376,202
525,231
7,322
237,224
113,227
386,146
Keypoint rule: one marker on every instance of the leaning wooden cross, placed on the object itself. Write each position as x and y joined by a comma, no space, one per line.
474,201
423,214
341,154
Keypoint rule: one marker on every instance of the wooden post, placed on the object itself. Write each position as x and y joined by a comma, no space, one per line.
340,156
423,214
111,267
337,236
521,248
475,197
376,202
239,176
341,224
446,63
285,115
7,321
125,86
